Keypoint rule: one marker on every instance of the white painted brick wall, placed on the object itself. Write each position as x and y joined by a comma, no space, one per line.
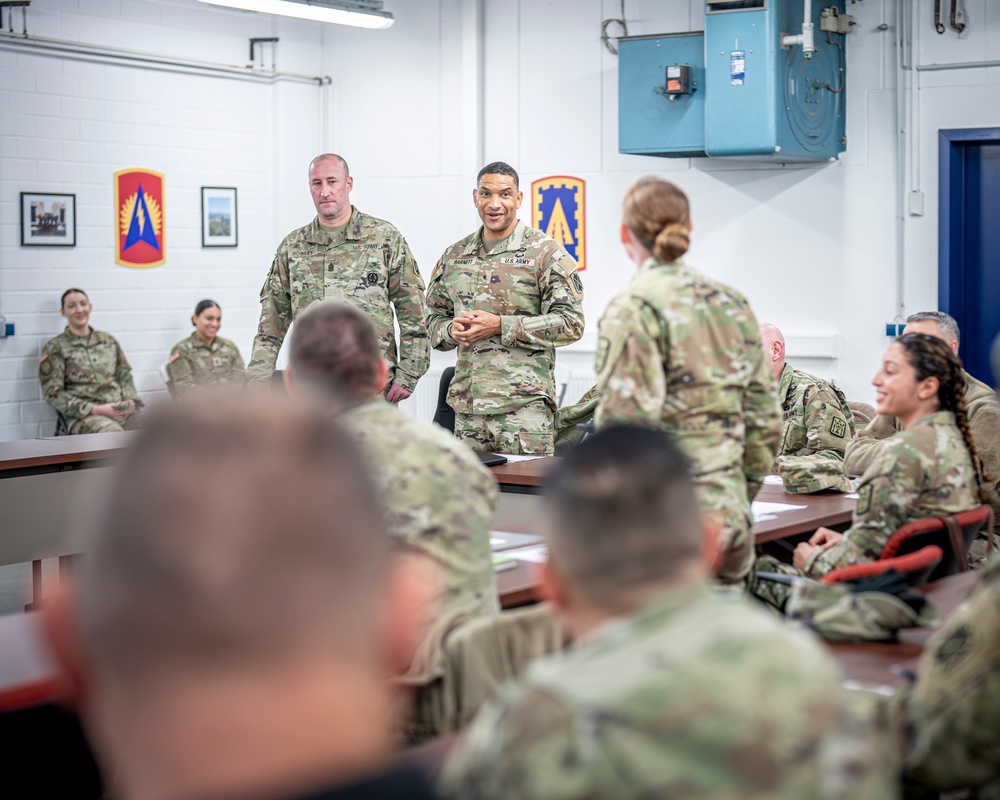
67,125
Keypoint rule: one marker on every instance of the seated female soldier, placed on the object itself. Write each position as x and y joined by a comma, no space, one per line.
204,358
85,375
931,467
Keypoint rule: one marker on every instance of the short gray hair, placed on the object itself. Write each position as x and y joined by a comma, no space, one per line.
945,322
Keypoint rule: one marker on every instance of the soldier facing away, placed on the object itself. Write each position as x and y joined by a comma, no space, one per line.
346,255
85,375
671,689
506,297
681,352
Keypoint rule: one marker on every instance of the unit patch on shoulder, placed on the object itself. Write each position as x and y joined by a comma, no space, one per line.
577,283
44,365
838,427
865,498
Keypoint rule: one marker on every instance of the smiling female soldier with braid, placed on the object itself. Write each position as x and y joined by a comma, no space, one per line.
929,468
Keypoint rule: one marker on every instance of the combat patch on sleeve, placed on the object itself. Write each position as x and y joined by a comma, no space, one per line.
577,282
865,498
838,427
603,345
954,647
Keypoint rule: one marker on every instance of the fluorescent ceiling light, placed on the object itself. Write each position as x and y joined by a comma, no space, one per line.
368,15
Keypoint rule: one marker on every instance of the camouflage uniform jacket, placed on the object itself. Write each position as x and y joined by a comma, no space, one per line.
531,283
952,713
439,499
680,352
371,269
193,363
983,410
920,472
818,420
79,372
696,695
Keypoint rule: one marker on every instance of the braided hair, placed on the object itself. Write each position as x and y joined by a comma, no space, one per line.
933,358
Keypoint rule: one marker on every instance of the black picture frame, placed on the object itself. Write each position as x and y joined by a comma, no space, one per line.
48,219
219,218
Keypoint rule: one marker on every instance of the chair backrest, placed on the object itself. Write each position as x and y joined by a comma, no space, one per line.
863,412
444,415
165,374
917,567
953,533
62,427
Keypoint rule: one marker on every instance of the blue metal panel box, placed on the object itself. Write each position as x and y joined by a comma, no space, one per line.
649,121
768,101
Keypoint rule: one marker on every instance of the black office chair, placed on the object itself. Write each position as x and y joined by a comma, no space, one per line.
445,415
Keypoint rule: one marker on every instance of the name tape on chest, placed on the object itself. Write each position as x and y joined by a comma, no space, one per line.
367,246
463,262
518,262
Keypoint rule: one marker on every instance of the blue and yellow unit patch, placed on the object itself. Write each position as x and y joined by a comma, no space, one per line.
557,209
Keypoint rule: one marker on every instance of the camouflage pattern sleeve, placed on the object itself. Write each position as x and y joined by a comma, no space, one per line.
440,311
123,374
861,450
512,749
179,368
828,428
631,352
275,318
406,293
761,415
952,713
52,375
888,489
561,319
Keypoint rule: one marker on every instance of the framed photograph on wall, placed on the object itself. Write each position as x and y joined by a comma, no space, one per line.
48,219
218,216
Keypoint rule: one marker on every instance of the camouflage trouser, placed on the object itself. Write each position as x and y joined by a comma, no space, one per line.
98,424
980,552
771,592
524,431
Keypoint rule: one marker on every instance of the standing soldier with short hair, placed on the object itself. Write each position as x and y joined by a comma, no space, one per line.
346,255
506,297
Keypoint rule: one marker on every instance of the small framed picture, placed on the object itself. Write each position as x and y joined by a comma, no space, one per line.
48,220
218,216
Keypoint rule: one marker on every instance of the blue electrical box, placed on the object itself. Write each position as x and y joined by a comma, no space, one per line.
751,96
659,122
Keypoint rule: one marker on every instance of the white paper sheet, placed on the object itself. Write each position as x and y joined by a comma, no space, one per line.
774,479
512,458
763,512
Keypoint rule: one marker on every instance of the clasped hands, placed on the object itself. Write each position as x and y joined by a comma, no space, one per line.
822,539
471,326
114,410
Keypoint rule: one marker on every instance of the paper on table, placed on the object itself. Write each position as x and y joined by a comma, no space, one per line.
773,479
511,458
852,496
763,511
537,553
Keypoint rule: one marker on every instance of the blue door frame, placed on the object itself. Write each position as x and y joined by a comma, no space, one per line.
961,289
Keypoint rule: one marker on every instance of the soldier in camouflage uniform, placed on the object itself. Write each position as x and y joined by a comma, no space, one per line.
818,423
951,715
346,255
205,358
680,352
505,296
439,497
671,690
983,410
923,471
85,375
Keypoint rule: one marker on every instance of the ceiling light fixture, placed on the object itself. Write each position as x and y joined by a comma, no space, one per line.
360,14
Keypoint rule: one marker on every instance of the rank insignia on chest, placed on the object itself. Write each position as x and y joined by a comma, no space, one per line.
557,209
372,278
